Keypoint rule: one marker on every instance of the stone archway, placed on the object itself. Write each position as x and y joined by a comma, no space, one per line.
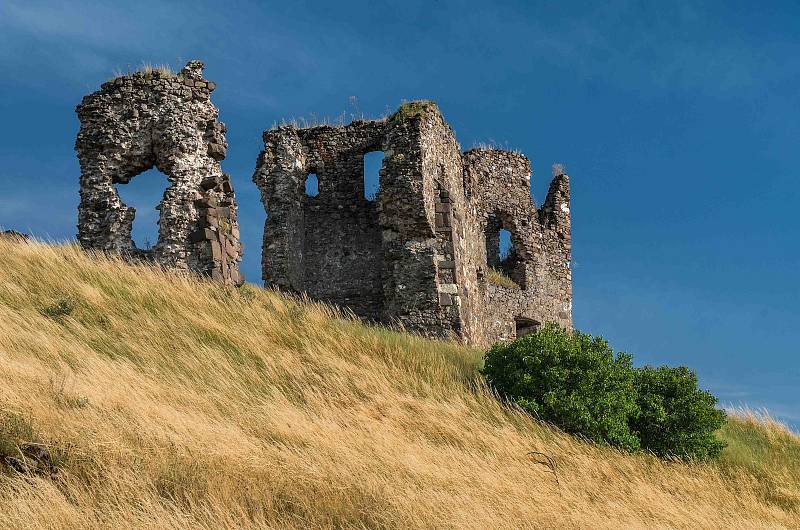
512,262
158,119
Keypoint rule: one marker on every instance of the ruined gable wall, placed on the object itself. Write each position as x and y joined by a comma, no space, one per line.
500,193
342,250
554,217
156,119
328,246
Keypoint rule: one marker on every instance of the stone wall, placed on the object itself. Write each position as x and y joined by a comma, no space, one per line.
499,186
328,246
423,253
167,121
420,253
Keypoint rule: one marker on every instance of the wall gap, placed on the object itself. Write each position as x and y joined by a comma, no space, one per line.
506,245
144,192
312,185
373,162
525,326
501,254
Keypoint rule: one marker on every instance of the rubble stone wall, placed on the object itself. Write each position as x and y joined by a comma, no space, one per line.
167,121
499,186
423,253
329,245
419,254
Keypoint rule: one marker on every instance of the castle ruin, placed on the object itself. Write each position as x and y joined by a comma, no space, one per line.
158,119
425,252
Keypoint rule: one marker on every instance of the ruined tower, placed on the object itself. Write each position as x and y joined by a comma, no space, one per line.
425,251
158,119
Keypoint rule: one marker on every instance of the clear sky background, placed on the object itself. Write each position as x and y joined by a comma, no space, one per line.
678,122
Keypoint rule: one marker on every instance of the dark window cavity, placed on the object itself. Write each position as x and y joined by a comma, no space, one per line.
525,326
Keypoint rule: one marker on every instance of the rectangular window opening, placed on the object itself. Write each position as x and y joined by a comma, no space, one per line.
373,162
312,185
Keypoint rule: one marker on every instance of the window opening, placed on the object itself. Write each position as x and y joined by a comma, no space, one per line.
144,193
506,246
525,326
506,267
312,185
372,179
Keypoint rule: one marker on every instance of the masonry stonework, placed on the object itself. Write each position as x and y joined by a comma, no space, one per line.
424,253
167,121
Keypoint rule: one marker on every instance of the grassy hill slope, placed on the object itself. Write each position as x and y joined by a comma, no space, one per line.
172,403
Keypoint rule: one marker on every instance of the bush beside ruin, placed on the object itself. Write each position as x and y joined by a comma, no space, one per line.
576,382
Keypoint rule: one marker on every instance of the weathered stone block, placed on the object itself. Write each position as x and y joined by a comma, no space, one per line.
232,250
216,251
450,288
204,234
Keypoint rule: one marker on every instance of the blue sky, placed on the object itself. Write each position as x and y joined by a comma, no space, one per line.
678,123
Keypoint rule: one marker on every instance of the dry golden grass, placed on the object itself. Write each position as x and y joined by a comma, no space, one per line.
499,278
171,403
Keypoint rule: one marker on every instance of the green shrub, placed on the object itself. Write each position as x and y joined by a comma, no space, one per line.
675,418
572,380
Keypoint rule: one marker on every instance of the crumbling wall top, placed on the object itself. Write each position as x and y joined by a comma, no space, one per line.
155,118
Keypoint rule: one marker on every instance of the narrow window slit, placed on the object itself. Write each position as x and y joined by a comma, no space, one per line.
312,185
506,247
372,179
